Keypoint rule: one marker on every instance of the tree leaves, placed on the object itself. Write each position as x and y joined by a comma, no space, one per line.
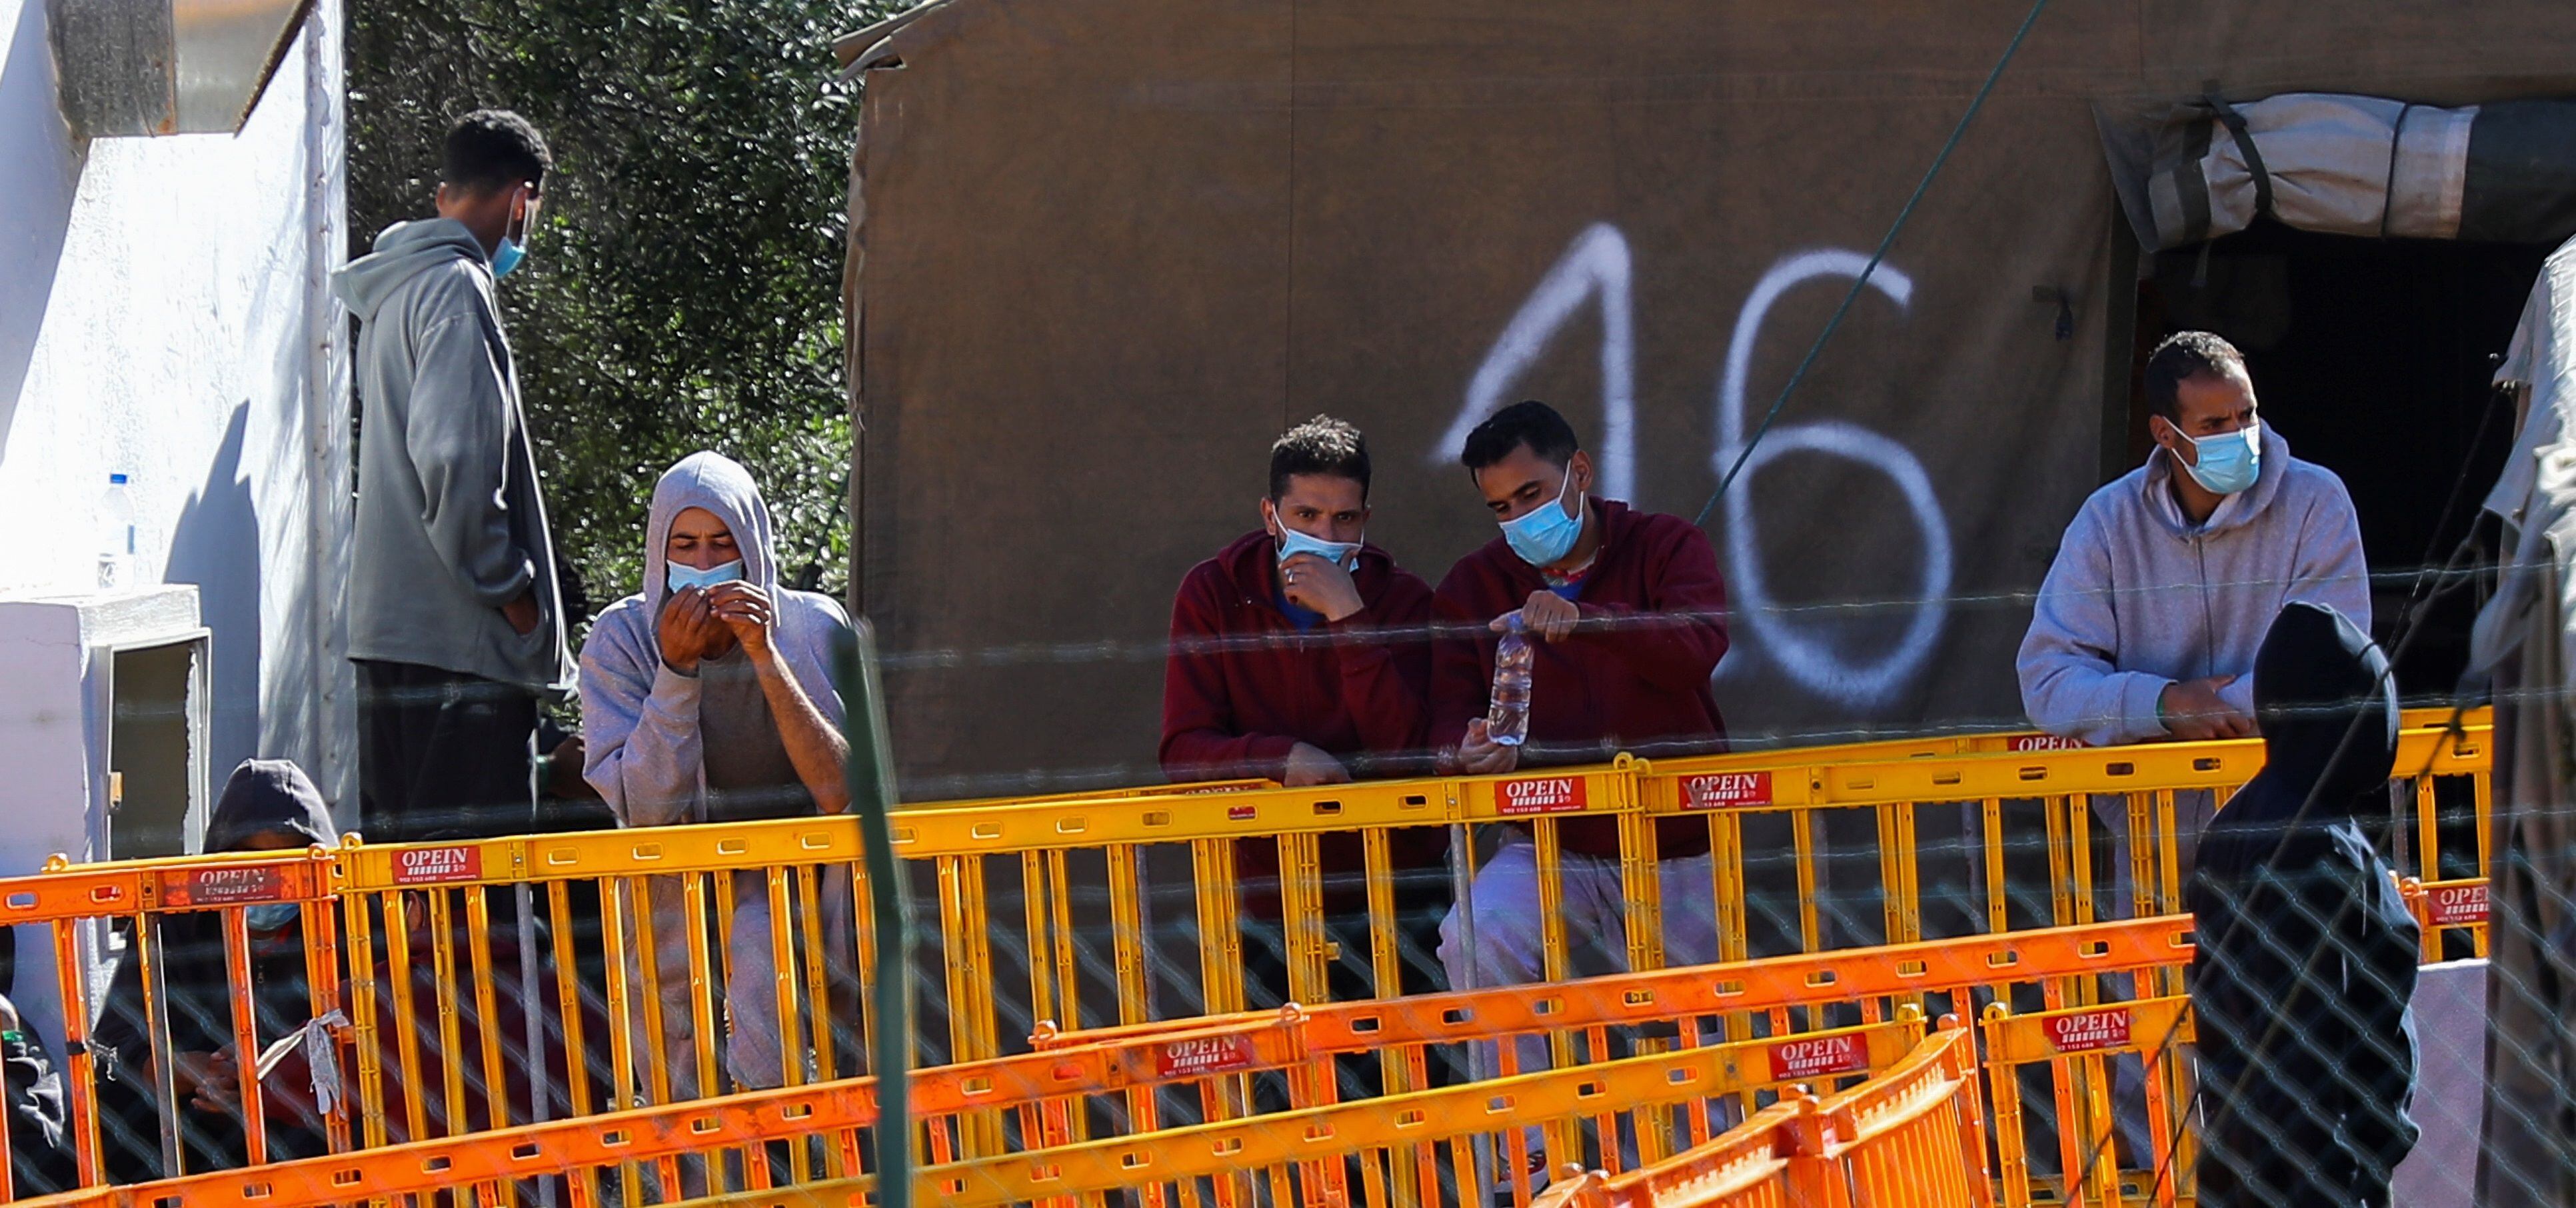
682,291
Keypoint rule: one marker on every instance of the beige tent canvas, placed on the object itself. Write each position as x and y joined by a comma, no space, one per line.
1102,252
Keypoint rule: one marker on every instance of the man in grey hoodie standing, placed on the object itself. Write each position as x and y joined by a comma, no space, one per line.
455,621
2170,576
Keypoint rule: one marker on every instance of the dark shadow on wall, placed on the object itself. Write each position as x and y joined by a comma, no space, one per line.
216,546
43,175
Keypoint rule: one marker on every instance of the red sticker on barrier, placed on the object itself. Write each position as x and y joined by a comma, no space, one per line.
431,865
1239,813
2457,905
222,886
1818,1056
1726,790
1539,795
2043,742
2086,1031
1208,1055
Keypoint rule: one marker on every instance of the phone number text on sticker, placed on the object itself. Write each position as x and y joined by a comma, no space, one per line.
1539,795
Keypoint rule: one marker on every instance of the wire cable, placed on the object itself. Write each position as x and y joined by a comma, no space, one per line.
1853,294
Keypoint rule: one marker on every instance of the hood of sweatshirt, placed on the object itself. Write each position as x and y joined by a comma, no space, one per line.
720,485
404,251
268,795
2317,678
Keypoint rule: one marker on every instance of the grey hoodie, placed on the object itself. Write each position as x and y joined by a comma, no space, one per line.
641,727
450,527
2139,598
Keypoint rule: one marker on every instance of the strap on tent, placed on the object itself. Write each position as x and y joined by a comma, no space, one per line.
2235,123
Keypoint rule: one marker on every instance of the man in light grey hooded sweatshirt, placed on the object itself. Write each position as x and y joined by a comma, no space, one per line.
455,620
707,697
2170,576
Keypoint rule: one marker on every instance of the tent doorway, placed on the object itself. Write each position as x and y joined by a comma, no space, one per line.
2372,358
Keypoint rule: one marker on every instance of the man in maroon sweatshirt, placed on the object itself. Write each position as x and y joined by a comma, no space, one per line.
1625,612
1301,653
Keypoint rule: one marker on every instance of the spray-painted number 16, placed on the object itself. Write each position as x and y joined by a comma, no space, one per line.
1597,267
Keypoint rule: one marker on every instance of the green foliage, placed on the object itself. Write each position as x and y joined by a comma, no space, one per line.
682,290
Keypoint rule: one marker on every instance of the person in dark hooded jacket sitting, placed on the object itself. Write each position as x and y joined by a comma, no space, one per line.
267,805
2306,951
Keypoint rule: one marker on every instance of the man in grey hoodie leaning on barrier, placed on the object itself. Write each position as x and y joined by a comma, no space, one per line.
707,697
2169,577
455,621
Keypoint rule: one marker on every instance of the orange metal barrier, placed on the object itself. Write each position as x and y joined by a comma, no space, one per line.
2442,906
730,957
1112,1077
148,913
1912,1137
583,1150
1308,1155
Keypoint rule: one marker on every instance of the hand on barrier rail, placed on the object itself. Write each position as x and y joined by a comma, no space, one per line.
2194,711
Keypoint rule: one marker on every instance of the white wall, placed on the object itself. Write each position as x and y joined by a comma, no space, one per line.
165,312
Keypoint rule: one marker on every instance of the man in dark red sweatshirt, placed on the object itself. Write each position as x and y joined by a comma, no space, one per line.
1626,616
1302,654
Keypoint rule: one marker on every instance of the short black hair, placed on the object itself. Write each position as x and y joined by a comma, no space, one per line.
1528,422
495,149
2182,356
1322,445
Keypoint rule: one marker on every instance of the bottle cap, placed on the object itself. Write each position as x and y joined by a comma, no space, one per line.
116,480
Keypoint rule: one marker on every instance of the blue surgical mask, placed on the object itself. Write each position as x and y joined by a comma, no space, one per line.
683,577
272,916
507,257
2228,462
1293,543
1548,533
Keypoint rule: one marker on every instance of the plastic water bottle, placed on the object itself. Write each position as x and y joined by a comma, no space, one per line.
1508,723
116,536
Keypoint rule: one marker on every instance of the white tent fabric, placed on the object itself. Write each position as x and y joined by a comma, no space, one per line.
2526,641
2345,165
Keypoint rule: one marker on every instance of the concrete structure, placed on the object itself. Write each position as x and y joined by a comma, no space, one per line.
166,314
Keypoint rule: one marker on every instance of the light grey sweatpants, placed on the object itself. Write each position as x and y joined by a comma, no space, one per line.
748,1016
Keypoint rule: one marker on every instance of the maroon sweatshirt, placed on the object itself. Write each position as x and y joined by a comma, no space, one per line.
1633,677
1243,684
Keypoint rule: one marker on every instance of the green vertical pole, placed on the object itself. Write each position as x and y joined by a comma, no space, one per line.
872,795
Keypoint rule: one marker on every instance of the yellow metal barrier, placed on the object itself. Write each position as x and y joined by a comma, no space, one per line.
2081,1046
727,957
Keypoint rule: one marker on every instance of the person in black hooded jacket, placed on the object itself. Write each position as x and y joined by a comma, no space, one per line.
40,1147
2306,956
267,805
